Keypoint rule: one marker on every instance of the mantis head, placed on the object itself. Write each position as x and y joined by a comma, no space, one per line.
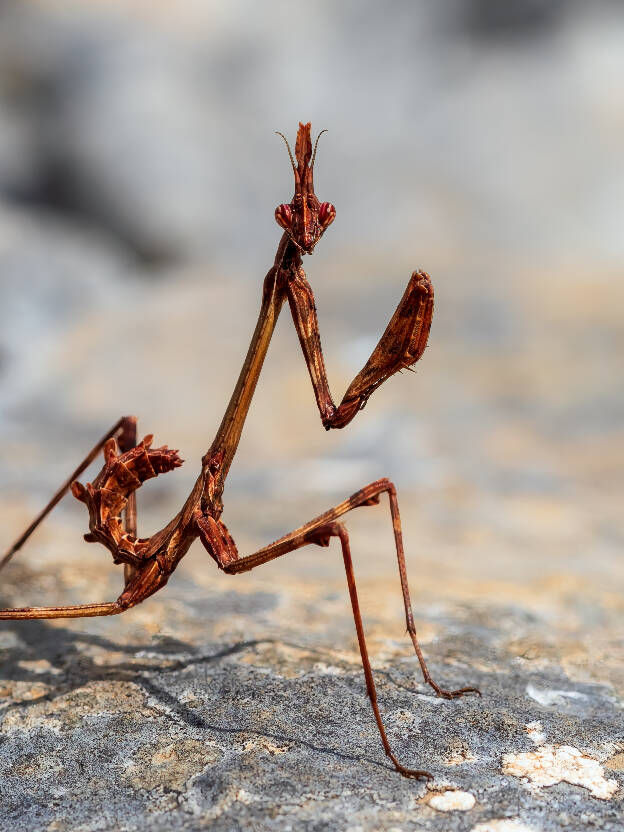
305,218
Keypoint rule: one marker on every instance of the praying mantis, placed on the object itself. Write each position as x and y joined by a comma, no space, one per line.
110,498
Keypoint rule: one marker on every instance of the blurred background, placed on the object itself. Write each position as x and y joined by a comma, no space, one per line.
478,140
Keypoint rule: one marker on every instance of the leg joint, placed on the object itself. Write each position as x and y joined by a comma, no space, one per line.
322,535
216,540
369,496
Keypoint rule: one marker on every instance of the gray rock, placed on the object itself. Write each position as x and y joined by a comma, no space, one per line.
20,156
268,727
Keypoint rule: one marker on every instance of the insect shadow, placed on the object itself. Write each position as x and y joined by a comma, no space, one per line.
72,669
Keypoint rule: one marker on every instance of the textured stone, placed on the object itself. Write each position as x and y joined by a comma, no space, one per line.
155,719
240,704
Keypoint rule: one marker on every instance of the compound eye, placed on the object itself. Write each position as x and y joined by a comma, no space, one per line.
283,216
326,215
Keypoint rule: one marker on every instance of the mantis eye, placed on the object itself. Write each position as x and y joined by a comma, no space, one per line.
283,216
327,214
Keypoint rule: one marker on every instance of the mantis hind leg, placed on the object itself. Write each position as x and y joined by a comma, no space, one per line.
125,432
76,611
218,542
367,496
145,582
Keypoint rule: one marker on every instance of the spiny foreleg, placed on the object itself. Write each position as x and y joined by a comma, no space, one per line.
125,431
400,346
107,496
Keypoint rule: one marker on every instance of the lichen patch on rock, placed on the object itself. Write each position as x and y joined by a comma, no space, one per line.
550,764
615,763
548,698
170,765
264,744
536,732
22,691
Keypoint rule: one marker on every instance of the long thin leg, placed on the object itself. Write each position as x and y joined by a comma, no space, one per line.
321,536
217,540
124,426
409,617
146,581
77,611
367,496
320,532
400,346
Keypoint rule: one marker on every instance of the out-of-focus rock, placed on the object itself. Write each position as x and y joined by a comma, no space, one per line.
20,157
124,129
54,273
148,120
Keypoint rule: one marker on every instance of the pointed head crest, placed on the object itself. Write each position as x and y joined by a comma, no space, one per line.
304,154
305,218
303,147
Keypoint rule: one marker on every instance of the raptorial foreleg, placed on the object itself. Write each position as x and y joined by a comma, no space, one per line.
401,345
125,432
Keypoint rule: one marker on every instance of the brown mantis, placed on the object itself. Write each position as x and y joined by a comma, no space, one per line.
149,562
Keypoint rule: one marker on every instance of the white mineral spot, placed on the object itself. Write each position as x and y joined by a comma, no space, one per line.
535,731
452,801
550,764
502,825
551,697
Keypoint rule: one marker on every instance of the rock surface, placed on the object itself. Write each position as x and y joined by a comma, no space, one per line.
202,709
136,225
